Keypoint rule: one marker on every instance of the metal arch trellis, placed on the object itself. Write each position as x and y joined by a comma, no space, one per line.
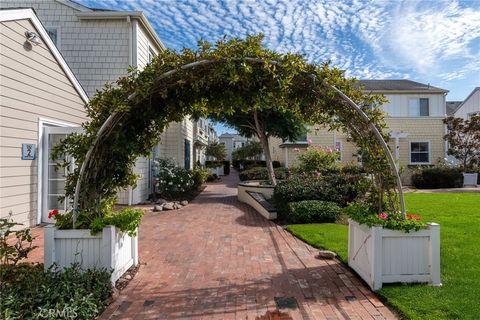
117,116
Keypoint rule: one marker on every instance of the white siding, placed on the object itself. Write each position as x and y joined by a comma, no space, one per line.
32,86
144,45
398,104
470,105
96,50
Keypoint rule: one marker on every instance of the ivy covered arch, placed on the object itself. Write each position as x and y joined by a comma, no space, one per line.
233,76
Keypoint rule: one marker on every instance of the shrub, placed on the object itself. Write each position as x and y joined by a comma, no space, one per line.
338,188
438,177
12,250
318,159
28,292
312,211
260,173
199,176
212,177
244,164
213,164
172,181
226,167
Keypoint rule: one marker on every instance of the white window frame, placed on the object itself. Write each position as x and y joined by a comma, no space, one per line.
418,98
57,29
340,149
410,152
151,54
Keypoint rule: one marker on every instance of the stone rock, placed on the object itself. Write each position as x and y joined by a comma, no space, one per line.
169,206
161,201
326,254
184,202
128,277
157,208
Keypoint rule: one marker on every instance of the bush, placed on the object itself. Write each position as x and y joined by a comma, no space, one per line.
260,173
338,188
14,245
199,176
226,167
28,292
439,177
172,181
213,164
317,159
312,211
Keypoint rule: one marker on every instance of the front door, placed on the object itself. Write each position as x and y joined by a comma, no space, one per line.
53,178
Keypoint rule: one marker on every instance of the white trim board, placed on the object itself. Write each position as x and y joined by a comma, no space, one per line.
19,14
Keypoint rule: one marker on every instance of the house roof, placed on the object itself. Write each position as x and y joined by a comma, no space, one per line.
20,14
452,106
468,97
401,85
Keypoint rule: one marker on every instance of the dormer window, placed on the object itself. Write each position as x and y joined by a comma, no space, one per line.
419,107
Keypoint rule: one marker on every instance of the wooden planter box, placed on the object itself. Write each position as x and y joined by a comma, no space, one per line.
470,179
381,255
110,249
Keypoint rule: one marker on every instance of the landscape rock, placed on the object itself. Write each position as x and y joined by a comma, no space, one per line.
157,208
326,254
168,206
128,277
161,201
184,202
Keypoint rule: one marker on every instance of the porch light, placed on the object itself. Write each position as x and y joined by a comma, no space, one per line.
32,37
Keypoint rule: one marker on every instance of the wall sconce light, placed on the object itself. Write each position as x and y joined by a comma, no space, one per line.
32,37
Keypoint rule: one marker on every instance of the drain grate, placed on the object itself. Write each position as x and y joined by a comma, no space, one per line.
286,302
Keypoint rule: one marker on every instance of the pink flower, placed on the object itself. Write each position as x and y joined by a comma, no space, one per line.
383,216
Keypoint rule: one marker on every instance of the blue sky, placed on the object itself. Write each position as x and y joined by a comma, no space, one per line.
436,42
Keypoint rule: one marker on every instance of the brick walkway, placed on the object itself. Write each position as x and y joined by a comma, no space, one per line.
219,259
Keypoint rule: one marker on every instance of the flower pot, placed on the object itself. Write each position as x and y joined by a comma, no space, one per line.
111,249
381,255
470,179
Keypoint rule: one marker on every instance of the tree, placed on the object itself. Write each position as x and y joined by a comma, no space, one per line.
463,138
264,123
216,150
251,150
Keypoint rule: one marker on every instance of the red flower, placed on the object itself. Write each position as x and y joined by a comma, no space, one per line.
383,216
52,214
413,217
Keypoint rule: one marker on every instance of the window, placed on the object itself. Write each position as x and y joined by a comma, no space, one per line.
419,107
54,34
338,148
419,152
151,54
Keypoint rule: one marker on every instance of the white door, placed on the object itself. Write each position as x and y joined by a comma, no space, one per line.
53,178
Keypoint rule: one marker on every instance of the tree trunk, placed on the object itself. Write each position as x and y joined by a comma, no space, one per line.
266,149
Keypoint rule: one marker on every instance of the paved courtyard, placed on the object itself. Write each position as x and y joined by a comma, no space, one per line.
219,259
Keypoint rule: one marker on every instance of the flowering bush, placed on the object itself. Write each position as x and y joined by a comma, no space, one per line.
318,159
172,181
394,221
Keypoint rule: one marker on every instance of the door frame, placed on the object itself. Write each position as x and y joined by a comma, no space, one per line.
42,123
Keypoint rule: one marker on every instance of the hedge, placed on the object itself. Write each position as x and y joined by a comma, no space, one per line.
248,164
435,178
260,173
312,211
338,188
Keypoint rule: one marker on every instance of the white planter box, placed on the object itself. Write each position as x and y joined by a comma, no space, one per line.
385,256
219,171
110,249
470,179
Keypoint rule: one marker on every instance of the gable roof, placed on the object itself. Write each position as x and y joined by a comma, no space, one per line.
401,85
21,14
452,106
468,97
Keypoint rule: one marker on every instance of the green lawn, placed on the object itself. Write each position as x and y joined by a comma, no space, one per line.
459,217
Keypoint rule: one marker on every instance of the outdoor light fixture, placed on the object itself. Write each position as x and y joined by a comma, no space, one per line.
32,37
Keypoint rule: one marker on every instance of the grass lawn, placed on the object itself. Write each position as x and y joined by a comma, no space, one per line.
459,217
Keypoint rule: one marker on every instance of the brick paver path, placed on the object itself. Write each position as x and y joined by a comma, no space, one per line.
219,259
